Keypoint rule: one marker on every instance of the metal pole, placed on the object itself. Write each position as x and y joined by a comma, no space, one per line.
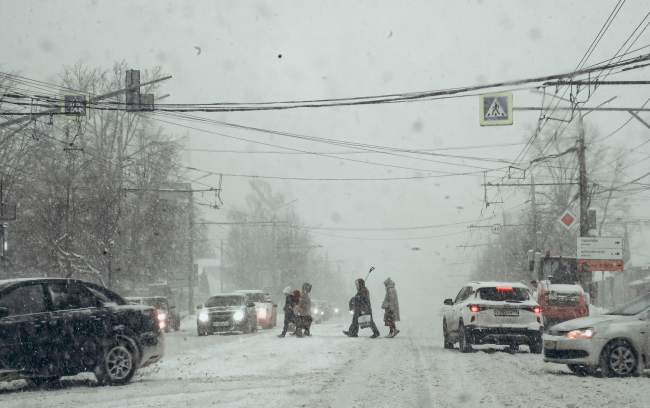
191,254
584,204
532,192
221,269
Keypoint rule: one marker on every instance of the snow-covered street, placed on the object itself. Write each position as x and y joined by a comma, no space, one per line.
331,370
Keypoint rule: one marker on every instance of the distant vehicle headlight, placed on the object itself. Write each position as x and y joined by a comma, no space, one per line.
161,316
581,333
261,313
238,315
315,311
203,317
336,310
322,312
351,312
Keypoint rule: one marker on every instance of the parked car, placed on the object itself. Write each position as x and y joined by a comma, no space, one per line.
561,302
267,311
166,312
316,312
616,344
493,313
226,312
60,327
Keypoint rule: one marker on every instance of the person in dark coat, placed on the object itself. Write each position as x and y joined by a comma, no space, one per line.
289,317
302,311
391,308
360,304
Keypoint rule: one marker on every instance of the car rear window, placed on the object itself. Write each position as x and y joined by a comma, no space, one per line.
221,301
502,295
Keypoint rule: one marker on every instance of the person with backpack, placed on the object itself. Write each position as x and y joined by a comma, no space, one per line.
361,306
391,308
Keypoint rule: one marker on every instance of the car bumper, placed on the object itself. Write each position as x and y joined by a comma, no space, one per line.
504,335
231,327
562,350
152,348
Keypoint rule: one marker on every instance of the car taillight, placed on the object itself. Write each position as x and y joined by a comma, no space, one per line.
537,309
156,316
507,288
475,308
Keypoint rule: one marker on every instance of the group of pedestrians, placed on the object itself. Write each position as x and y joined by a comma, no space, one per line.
297,310
362,310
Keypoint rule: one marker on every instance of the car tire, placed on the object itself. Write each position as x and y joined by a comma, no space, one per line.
40,382
618,359
536,345
201,332
117,364
447,343
247,329
464,342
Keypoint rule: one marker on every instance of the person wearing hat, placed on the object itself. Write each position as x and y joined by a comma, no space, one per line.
289,303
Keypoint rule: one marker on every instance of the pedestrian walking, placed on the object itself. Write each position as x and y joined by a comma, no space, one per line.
391,308
362,308
303,312
289,303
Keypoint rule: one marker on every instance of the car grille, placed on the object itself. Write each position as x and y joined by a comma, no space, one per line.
220,317
566,354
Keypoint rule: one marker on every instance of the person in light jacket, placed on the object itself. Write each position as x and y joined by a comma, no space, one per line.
303,311
391,308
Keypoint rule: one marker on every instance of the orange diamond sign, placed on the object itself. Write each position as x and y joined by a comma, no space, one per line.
568,219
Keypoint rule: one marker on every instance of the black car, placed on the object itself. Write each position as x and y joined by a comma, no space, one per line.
58,327
226,312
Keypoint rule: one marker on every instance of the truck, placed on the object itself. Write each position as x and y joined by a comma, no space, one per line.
560,287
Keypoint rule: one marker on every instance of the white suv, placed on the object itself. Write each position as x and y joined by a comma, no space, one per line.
493,313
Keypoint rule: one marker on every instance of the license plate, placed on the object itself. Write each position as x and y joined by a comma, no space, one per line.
552,296
506,312
550,344
219,324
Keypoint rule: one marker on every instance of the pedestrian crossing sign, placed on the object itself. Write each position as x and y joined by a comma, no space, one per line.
495,109
74,106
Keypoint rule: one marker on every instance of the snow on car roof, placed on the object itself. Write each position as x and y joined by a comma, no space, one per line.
249,291
494,284
565,288
227,294
7,282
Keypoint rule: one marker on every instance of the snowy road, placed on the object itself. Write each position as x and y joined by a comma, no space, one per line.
331,370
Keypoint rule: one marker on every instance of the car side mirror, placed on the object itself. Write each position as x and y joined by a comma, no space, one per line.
449,302
199,307
250,304
274,305
4,312
174,307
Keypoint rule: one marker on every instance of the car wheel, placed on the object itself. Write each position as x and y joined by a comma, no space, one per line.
248,328
201,332
618,359
536,345
43,381
448,343
513,348
117,365
578,369
464,342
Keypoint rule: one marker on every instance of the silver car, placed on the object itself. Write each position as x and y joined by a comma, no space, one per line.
616,344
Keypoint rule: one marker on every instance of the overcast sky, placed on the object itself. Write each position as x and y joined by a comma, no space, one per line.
302,50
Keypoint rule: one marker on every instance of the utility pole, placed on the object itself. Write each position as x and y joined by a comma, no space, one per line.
190,249
584,204
221,269
532,193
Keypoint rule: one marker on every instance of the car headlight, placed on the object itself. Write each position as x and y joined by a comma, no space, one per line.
161,316
315,311
261,313
203,317
581,333
322,312
238,315
336,310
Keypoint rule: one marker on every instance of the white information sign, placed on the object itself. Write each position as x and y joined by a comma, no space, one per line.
600,248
